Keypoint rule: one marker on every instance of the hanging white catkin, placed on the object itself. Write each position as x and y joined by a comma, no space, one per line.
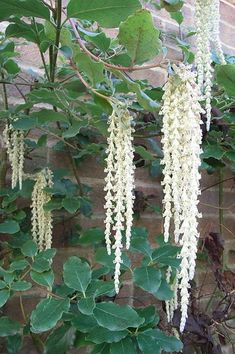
181,147
14,141
119,184
207,19
41,219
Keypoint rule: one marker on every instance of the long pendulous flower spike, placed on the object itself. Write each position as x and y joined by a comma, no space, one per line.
41,219
181,147
207,17
119,184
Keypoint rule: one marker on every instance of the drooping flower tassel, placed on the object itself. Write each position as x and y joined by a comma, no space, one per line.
215,31
207,18
41,219
181,147
119,184
14,141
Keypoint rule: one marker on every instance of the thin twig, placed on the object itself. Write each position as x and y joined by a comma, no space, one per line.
57,137
218,183
108,65
85,83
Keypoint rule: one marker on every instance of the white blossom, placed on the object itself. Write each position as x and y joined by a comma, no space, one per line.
181,147
14,141
41,219
119,184
215,30
207,18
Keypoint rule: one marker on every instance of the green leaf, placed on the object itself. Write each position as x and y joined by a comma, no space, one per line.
115,317
123,347
11,67
166,255
8,327
77,274
21,285
29,248
86,305
47,313
140,37
171,5
100,288
148,345
149,315
60,340
2,284
141,245
27,31
103,11
145,154
25,123
8,276
44,279
215,151
19,265
53,205
9,227
231,155
23,8
46,116
75,128
165,251
14,344
65,35
71,204
148,278
166,343
103,258
101,349
43,260
143,99
225,76
164,292
4,296
42,95
84,323
92,69
99,40
91,236
100,335
177,16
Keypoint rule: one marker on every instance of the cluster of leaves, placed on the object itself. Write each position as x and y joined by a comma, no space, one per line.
80,310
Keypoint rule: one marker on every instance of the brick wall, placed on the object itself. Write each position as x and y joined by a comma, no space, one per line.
30,60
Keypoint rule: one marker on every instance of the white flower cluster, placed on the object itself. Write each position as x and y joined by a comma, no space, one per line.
14,141
207,27
41,219
119,183
181,146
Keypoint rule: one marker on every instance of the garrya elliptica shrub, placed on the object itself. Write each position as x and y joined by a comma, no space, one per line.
85,104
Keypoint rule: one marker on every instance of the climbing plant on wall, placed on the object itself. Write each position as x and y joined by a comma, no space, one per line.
85,103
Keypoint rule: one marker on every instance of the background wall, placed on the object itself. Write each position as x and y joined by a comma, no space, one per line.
91,172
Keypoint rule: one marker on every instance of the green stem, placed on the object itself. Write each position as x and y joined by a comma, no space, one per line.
5,100
57,39
3,152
